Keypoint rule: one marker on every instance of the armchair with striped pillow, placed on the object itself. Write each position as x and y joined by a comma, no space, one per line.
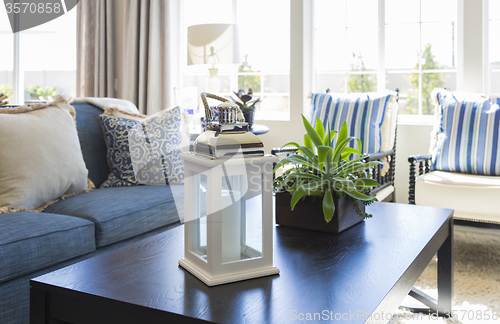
462,170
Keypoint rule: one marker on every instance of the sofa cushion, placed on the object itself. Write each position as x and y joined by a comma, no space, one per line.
31,241
472,196
88,126
40,156
144,151
364,112
468,134
121,212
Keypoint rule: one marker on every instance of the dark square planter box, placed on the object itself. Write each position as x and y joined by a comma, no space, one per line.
308,214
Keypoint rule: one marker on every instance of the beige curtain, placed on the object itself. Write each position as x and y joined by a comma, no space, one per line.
146,78
94,71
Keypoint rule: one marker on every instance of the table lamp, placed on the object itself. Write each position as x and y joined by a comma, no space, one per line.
213,44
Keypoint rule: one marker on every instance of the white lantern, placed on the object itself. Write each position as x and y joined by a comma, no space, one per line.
228,230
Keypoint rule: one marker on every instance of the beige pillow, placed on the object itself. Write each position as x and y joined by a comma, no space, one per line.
41,158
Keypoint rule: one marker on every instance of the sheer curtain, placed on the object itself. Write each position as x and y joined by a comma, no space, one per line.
147,72
94,72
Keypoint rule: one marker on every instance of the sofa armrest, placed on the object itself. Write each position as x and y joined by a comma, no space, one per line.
423,167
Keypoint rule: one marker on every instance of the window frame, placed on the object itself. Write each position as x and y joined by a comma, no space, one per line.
382,71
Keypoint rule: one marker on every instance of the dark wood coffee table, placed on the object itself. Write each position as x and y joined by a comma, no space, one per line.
367,269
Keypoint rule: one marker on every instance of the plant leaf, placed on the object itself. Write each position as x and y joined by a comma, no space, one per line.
329,161
308,143
302,175
323,152
309,154
312,132
339,148
291,143
341,183
329,138
297,159
366,182
360,146
296,196
343,132
364,166
358,195
320,129
328,206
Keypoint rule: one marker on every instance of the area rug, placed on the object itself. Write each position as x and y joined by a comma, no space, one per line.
476,282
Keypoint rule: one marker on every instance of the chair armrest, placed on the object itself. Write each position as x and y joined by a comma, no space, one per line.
378,156
280,151
423,167
419,157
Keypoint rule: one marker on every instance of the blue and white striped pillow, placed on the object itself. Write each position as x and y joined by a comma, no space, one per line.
468,135
364,113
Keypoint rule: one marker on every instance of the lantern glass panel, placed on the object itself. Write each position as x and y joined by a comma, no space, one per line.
199,235
241,202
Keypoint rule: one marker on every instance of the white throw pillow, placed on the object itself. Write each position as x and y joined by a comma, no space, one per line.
41,158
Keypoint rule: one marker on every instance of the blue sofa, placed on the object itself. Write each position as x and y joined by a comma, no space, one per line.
76,228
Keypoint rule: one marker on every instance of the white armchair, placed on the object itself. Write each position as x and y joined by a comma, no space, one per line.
463,170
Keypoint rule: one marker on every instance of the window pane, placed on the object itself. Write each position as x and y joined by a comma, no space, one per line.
362,83
494,9
362,48
50,70
247,81
273,103
401,46
495,80
276,83
494,44
441,10
407,83
205,12
329,14
368,16
264,38
334,82
7,61
329,49
265,44
441,37
397,11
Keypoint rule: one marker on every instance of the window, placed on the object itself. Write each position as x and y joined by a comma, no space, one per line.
494,46
46,55
264,48
415,54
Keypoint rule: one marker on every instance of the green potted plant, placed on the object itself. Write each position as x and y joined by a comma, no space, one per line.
246,104
332,186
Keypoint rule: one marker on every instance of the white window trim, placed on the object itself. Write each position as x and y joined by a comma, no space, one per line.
17,71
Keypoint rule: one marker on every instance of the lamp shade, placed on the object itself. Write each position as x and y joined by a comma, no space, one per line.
212,44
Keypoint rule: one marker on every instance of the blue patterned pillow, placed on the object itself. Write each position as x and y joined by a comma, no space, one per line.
467,135
364,113
144,152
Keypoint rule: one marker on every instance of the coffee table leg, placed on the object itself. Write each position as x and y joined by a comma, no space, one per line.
38,306
445,274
